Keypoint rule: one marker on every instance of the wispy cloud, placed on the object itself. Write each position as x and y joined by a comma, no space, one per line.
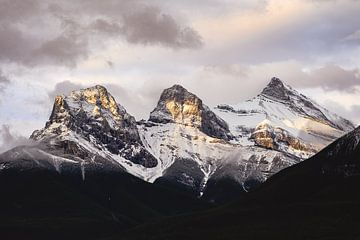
8,139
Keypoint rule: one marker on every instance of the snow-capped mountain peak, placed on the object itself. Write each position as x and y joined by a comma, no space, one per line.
184,143
89,120
101,99
294,123
177,105
276,89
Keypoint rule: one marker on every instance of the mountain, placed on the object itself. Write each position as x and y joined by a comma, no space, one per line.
282,119
215,154
88,122
177,105
315,199
255,139
197,152
84,175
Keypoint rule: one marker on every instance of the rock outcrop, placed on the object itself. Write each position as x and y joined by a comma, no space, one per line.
92,115
177,105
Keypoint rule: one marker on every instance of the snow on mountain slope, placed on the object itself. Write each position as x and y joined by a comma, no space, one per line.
91,119
280,118
176,146
184,142
190,156
93,132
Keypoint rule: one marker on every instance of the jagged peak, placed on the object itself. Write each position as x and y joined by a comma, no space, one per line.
90,118
98,96
175,104
95,91
277,89
275,81
178,105
92,103
95,87
177,93
177,87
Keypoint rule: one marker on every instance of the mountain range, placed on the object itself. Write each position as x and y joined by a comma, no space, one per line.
94,171
185,144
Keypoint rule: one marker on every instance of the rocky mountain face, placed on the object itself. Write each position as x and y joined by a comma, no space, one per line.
94,116
91,129
184,144
195,159
282,119
277,90
177,105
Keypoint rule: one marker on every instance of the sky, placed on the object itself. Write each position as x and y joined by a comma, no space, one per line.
225,51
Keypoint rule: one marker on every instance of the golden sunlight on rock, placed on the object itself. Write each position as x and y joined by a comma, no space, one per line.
100,97
264,139
188,113
59,101
269,137
174,108
96,111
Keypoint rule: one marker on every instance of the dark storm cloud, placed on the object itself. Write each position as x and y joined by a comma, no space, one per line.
43,33
9,140
151,26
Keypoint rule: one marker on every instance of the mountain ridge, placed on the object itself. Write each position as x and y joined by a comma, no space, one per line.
280,118
184,144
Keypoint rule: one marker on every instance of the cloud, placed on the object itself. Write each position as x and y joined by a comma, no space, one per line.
65,49
14,44
9,140
241,82
151,26
104,26
283,30
64,88
18,9
233,48
45,33
352,112
4,82
110,63
330,77
333,77
355,36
